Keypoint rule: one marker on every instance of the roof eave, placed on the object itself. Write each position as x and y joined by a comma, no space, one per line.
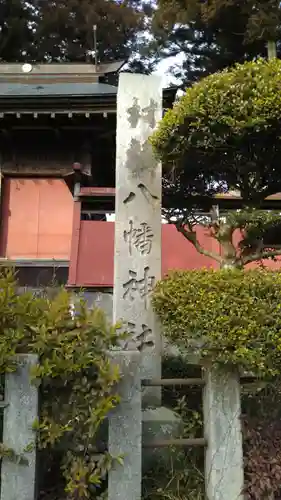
57,103
86,102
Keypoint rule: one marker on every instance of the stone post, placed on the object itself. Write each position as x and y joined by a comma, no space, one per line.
137,259
125,431
137,267
18,480
224,477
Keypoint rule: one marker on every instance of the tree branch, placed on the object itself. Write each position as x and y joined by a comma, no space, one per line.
260,256
191,236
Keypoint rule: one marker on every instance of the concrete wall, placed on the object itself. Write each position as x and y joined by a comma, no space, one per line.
103,300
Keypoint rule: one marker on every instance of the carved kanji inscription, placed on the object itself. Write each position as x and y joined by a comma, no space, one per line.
138,287
141,336
148,113
139,237
140,158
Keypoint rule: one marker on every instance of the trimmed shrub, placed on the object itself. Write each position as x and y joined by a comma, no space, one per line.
231,316
225,132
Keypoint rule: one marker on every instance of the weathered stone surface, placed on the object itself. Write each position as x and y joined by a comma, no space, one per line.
159,423
18,480
224,477
125,431
102,300
137,259
137,267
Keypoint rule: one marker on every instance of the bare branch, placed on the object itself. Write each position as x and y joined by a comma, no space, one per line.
260,256
191,236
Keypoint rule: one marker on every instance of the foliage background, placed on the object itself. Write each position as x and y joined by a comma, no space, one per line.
62,30
213,35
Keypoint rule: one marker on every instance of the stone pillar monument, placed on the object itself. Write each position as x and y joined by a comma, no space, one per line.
137,267
137,260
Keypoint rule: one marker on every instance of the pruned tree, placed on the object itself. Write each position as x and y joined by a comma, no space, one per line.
224,135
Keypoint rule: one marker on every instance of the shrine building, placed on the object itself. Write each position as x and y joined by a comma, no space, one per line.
57,147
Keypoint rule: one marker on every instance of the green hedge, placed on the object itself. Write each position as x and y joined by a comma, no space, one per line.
233,316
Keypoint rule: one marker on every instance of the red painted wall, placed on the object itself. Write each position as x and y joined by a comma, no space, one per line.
92,252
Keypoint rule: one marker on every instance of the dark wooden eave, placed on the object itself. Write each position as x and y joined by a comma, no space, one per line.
227,201
63,104
105,102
